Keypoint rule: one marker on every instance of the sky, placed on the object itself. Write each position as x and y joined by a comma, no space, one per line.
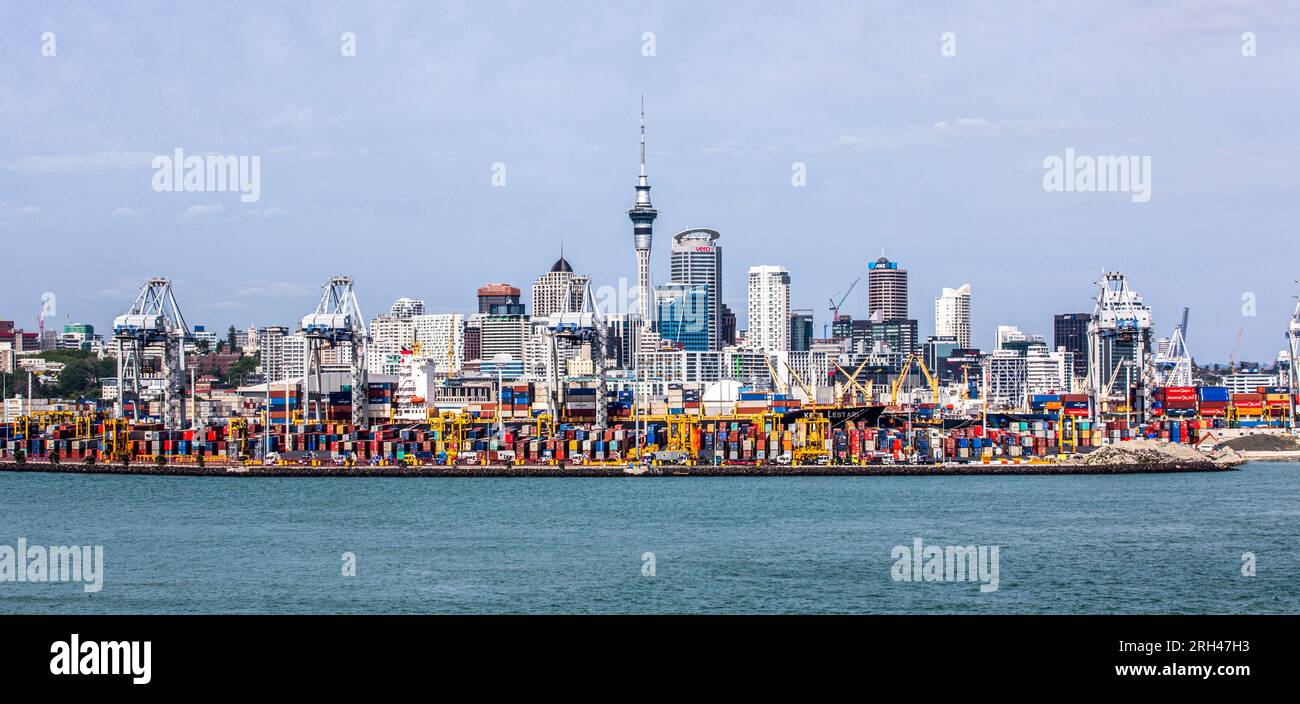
921,131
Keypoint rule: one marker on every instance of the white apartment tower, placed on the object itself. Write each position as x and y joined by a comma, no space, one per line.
952,314
387,336
442,340
407,308
559,290
283,356
769,309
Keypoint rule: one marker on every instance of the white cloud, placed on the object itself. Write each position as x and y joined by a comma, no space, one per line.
979,126
959,128
123,212
292,117
265,287
79,163
200,211
23,214
870,141
266,213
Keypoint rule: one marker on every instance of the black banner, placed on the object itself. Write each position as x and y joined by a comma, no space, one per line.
212,653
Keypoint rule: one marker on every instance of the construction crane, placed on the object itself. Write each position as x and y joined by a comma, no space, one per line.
337,322
835,307
586,326
902,375
1236,346
153,327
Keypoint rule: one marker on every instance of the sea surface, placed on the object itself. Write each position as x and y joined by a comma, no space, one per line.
1167,543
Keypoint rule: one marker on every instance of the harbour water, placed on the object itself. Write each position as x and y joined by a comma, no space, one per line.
1169,543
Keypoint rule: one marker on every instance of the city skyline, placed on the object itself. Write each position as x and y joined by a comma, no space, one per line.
392,183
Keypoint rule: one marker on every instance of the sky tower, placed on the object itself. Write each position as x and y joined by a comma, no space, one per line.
643,217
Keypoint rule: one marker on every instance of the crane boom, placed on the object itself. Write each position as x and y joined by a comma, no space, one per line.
1236,346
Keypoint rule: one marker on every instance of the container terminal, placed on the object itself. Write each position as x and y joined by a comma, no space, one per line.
336,414
667,380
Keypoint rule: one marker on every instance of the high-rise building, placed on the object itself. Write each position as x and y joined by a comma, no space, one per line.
1009,337
898,337
406,308
496,294
886,290
643,217
558,290
842,327
283,356
1007,382
727,326
388,335
203,334
474,337
801,330
769,309
503,334
19,341
681,315
442,340
536,351
624,329
937,351
952,314
79,336
1048,372
696,260
1070,330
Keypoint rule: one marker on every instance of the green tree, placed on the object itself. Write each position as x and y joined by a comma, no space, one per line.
244,366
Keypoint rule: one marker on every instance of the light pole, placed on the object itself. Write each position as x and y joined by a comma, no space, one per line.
501,359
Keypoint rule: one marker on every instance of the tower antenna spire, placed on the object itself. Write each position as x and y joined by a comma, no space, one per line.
643,216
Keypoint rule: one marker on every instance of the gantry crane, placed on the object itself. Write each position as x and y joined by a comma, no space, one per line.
338,322
1293,368
1119,332
1174,366
153,327
586,326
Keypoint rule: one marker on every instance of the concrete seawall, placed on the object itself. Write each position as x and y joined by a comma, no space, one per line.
579,471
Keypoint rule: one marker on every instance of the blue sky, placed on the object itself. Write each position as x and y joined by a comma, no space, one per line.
379,165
